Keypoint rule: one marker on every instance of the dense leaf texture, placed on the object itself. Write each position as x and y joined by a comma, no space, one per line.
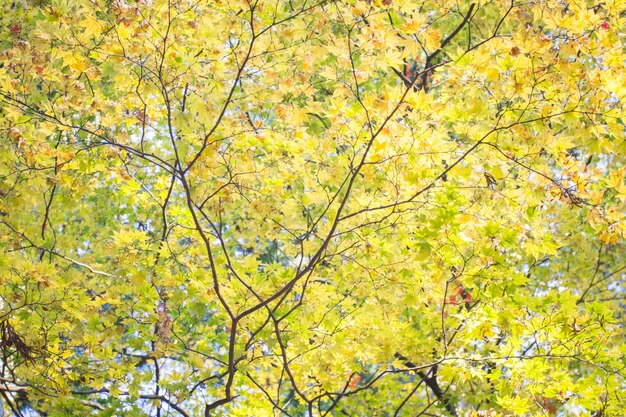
312,208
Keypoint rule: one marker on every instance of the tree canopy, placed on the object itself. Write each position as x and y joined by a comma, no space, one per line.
312,208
